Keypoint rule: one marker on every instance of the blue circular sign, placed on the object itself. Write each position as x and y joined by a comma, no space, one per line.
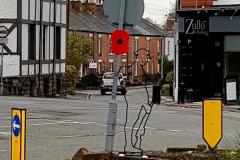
16,125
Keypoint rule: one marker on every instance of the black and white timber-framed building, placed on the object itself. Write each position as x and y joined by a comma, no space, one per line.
34,58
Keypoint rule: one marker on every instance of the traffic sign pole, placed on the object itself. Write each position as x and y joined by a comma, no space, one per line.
18,137
112,112
212,122
1,83
3,41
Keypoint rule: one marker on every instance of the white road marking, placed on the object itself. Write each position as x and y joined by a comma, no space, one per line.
63,122
5,150
5,126
4,133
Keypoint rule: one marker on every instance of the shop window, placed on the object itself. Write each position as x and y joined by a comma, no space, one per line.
232,64
232,54
231,43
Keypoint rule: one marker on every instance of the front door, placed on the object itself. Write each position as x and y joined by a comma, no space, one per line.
208,66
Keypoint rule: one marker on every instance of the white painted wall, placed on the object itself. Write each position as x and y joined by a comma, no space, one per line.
38,10
11,65
45,69
8,9
46,11
25,70
32,10
25,9
226,2
25,42
57,68
169,47
31,69
63,69
64,12
52,12
58,13
51,68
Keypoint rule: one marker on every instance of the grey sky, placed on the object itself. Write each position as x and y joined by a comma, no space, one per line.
157,9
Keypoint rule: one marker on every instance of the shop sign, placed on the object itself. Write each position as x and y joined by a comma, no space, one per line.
196,26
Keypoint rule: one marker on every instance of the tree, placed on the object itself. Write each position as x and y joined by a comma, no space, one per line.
167,67
78,49
168,25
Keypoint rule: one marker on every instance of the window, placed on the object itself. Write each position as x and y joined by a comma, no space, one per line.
136,69
232,54
148,48
111,67
99,67
125,68
135,44
158,45
99,44
45,35
32,42
231,43
92,42
168,48
148,44
109,45
58,42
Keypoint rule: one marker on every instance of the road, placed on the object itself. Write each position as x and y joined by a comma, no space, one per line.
57,128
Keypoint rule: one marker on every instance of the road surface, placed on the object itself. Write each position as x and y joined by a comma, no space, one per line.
57,128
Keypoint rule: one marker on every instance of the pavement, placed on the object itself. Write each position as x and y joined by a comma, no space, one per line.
167,101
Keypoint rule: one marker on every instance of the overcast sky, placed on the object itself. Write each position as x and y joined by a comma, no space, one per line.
158,9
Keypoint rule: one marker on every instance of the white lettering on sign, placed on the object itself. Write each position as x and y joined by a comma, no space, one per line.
196,26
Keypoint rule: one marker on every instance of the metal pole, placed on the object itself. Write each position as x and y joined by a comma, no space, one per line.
1,84
112,111
162,60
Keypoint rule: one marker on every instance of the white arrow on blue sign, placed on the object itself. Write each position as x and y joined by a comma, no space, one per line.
16,125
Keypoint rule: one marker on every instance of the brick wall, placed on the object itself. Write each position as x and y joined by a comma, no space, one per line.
196,3
105,58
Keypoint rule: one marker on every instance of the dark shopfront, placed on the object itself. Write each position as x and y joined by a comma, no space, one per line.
209,52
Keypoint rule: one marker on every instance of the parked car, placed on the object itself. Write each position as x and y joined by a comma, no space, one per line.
107,83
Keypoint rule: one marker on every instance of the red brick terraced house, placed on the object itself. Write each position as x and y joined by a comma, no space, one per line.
88,18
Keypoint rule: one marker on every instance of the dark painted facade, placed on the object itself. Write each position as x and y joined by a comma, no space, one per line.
208,51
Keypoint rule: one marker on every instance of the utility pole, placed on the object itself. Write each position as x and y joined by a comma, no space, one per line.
162,60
